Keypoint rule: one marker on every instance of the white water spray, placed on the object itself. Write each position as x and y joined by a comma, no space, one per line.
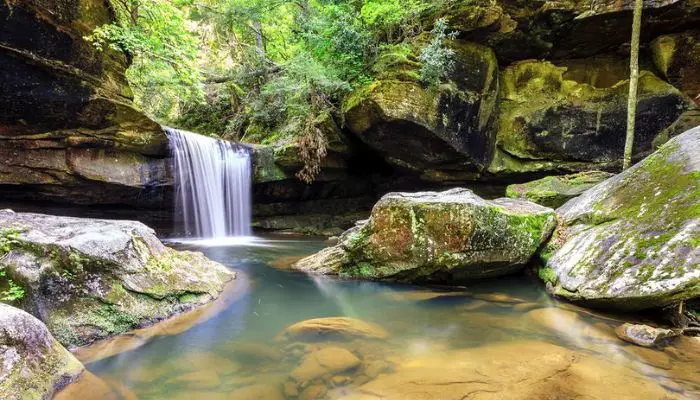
213,185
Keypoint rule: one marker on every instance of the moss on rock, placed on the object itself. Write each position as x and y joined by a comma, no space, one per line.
550,122
438,236
554,191
448,129
631,242
90,279
33,365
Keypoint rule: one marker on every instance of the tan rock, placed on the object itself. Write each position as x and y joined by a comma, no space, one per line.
285,263
328,361
335,327
207,362
340,380
313,392
686,348
422,295
474,305
290,389
90,387
203,379
555,320
513,370
498,298
374,368
599,332
525,307
199,395
258,392
651,357
256,352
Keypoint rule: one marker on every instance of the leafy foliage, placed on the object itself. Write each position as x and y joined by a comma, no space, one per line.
267,70
9,237
154,34
437,59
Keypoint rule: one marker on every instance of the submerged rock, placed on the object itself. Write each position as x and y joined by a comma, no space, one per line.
437,236
552,119
554,191
343,328
88,279
631,242
513,370
324,362
33,365
644,335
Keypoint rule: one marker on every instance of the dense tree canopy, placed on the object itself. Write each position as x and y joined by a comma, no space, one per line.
261,70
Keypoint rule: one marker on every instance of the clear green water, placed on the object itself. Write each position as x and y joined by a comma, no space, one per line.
227,355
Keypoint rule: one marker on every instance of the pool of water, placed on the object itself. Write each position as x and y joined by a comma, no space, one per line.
489,338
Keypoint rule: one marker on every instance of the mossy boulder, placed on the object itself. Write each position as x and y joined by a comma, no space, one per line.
33,365
434,131
677,57
88,279
554,191
438,236
631,242
550,122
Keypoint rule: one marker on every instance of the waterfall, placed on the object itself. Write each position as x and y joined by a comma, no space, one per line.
212,183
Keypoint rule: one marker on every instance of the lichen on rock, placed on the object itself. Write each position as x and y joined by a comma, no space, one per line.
446,129
439,236
554,191
33,365
551,122
90,279
631,242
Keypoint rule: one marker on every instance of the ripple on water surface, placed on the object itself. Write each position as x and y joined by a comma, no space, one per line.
284,335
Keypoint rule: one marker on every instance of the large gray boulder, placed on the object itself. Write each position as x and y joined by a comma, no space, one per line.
33,365
439,236
631,242
88,279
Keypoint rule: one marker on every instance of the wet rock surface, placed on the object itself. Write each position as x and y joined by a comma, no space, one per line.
534,370
90,279
447,235
334,328
646,336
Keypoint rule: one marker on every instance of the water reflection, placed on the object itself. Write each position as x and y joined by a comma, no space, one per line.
401,342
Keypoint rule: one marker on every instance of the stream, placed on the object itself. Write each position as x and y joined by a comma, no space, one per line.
238,353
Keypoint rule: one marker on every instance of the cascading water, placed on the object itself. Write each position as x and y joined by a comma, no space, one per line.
213,185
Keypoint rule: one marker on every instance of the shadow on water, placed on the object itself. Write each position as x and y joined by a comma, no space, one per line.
239,353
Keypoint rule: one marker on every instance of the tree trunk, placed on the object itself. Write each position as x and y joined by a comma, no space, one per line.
260,43
634,81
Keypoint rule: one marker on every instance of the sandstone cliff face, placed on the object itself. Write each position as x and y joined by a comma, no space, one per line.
69,129
539,88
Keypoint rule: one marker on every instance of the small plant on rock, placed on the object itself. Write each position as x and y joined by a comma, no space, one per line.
437,58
